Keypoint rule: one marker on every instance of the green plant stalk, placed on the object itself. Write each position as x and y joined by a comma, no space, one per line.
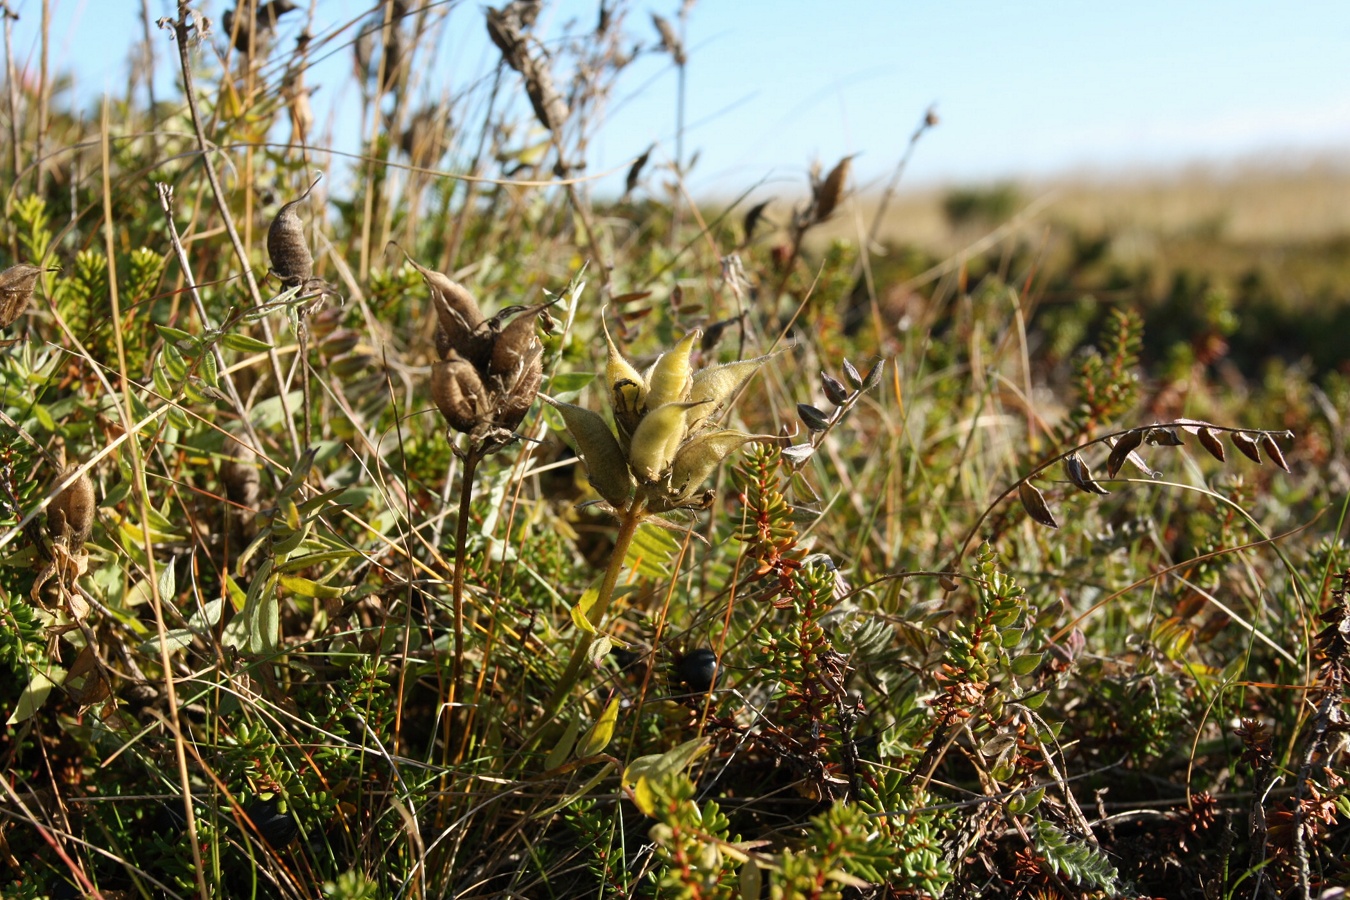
629,520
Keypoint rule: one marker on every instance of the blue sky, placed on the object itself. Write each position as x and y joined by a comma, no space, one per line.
1028,88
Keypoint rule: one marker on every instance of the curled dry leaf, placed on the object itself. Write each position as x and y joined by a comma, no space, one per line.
1210,441
670,41
1162,437
1033,501
752,218
16,291
1272,449
1246,445
1081,475
1121,449
635,171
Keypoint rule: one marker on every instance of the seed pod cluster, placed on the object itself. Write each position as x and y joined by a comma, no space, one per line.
70,515
16,290
489,369
286,246
506,27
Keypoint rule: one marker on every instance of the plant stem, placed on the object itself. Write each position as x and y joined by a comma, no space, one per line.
471,459
629,520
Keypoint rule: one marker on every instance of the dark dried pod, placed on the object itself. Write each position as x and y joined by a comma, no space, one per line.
1272,449
286,246
16,291
1162,437
1211,443
242,482
1124,446
518,395
263,23
635,171
460,322
670,41
829,192
813,418
70,515
1246,445
458,392
752,218
1033,501
1081,475
516,344
835,391
851,373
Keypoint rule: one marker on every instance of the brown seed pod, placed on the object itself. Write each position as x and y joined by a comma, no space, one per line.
286,247
70,515
1033,501
242,482
516,401
460,321
517,343
829,192
16,290
458,392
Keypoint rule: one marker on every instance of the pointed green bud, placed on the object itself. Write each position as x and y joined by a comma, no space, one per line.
604,460
715,385
627,389
656,439
670,377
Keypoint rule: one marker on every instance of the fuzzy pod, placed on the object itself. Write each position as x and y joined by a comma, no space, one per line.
696,460
598,449
627,387
516,398
656,440
458,392
70,515
286,246
670,378
516,345
16,291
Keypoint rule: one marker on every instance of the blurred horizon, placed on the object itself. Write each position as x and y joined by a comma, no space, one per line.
1051,90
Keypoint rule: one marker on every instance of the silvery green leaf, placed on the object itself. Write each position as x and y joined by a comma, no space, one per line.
797,454
835,391
851,373
814,419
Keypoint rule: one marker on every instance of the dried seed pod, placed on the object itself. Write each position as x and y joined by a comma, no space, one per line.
262,24
1211,442
460,320
814,419
670,41
16,290
1272,449
518,396
458,392
1033,501
1246,445
1162,437
1081,475
835,391
242,482
286,246
70,515
1123,447
829,192
635,171
752,217
517,343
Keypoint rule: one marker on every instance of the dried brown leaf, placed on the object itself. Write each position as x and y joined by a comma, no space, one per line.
1081,475
1210,441
16,290
1246,445
1267,443
1122,448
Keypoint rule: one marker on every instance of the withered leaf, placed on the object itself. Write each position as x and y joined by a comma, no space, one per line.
1033,501
16,290
635,171
1081,475
1273,451
1246,445
1210,441
752,218
829,192
1123,447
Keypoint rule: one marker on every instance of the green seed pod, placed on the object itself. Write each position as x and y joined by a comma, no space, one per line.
627,388
70,515
670,377
656,439
16,290
458,392
605,464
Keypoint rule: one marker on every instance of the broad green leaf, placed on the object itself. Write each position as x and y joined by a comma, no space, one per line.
307,588
563,749
601,733
244,343
660,765
34,695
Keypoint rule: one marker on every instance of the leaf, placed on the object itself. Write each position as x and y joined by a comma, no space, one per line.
659,765
1162,437
34,695
580,616
599,450
1081,475
835,391
244,343
1025,664
563,749
1122,448
1273,451
1033,501
643,797
750,881
1246,445
873,376
570,382
1211,443
601,733
312,589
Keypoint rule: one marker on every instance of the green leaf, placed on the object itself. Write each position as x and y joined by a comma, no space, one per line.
570,382
563,749
313,589
661,765
34,695
601,733
244,344
181,339
1025,664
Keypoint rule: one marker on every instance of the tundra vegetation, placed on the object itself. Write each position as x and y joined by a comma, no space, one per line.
441,528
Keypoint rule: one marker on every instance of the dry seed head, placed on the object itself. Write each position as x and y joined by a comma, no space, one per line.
829,192
70,515
458,392
286,247
16,290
